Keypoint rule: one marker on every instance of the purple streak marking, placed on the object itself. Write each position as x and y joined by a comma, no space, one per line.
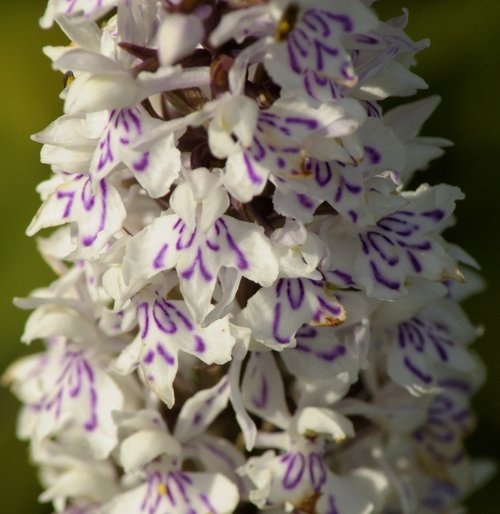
158,261
334,309
167,356
425,246
70,195
185,320
344,71
74,389
305,201
261,401
394,285
89,240
295,471
163,319
422,376
373,155
143,308
252,174
368,40
88,371
457,384
332,508
105,152
376,239
435,215
307,332
317,471
292,58
296,294
312,18
241,262
198,262
321,48
180,244
136,121
345,21
208,504
307,123
415,263
322,173
212,246
276,323
333,354
87,197
91,424
354,189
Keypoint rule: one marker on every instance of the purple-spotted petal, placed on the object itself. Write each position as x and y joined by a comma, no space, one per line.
291,479
76,10
165,328
313,47
220,456
285,134
321,354
342,495
98,214
348,183
276,313
201,409
430,342
154,168
177,491
69,388
263,391
449,419
198,257
403,244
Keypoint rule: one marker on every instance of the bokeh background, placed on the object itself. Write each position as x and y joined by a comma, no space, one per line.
462,65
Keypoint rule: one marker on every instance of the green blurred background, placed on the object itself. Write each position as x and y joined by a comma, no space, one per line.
462,66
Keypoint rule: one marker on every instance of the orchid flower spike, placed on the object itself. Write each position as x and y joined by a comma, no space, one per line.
253,311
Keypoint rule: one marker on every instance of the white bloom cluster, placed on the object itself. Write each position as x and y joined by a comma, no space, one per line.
253,311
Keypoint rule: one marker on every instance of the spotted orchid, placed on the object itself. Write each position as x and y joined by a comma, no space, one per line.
253,310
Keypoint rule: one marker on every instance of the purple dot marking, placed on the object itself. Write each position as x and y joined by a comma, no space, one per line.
142,163
373,155
200,345
149,357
